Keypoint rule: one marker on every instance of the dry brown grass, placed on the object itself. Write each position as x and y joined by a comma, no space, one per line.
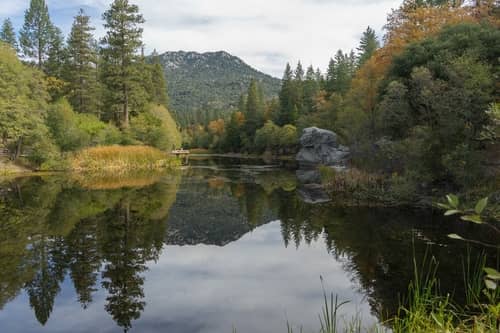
116,158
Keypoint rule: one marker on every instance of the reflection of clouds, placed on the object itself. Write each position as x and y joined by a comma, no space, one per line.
254,284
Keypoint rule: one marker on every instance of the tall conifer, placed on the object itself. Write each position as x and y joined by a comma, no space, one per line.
120,48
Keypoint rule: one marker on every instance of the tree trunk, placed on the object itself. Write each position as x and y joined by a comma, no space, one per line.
18,148
125,108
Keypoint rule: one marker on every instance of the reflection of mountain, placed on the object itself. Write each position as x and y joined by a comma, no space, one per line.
204,216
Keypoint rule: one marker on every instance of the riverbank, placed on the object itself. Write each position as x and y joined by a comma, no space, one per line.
197,152
7,168
103,158
355,187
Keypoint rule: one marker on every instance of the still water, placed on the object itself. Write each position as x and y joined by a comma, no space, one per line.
221,244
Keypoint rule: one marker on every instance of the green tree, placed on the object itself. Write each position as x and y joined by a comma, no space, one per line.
450,86
343,73
285,116
56,54
367,46
81,66
23,105
395,110
311,89
7,34
287,138
298,88
37,32
267,137
157,128
159,91
330,76
232,140
120,59
252,115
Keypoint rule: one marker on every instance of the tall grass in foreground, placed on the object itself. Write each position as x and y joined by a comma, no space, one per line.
115,158
427,310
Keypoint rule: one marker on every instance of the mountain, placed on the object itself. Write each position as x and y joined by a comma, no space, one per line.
208,85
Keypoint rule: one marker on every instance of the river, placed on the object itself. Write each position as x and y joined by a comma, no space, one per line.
222,244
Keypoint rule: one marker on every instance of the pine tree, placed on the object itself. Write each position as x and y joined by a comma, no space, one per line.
37,32
159,93
311,88
343,73
233,137
253,107
298,89
320,78
299,72
81,67
367,46
55,54
285,97
120,59
7,34
330,76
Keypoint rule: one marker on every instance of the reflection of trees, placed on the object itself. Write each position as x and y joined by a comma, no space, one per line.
377,247
124,262
48,230
84,259
48,262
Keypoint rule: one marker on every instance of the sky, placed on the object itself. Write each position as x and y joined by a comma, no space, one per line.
266,34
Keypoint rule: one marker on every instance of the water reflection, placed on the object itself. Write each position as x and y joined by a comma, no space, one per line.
100,235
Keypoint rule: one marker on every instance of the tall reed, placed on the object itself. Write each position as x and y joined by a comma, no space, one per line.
113,158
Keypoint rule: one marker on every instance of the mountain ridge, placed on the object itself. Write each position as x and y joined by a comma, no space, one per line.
208,85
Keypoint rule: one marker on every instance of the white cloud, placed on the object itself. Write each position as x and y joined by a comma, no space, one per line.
264,33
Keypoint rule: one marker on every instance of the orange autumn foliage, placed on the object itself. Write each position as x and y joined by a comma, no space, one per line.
216,127
408,27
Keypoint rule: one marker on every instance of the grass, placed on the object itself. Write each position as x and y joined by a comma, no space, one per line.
427,310
116,158
354,187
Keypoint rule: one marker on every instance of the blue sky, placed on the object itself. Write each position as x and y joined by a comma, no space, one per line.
264,33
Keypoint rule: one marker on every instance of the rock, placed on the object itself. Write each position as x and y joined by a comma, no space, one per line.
308,176
320,146
313,194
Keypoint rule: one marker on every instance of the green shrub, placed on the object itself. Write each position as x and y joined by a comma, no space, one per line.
157,128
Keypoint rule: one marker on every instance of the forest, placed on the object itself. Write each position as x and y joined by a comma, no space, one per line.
59,95
418,106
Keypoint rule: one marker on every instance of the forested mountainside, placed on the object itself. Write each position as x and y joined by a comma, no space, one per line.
205,85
